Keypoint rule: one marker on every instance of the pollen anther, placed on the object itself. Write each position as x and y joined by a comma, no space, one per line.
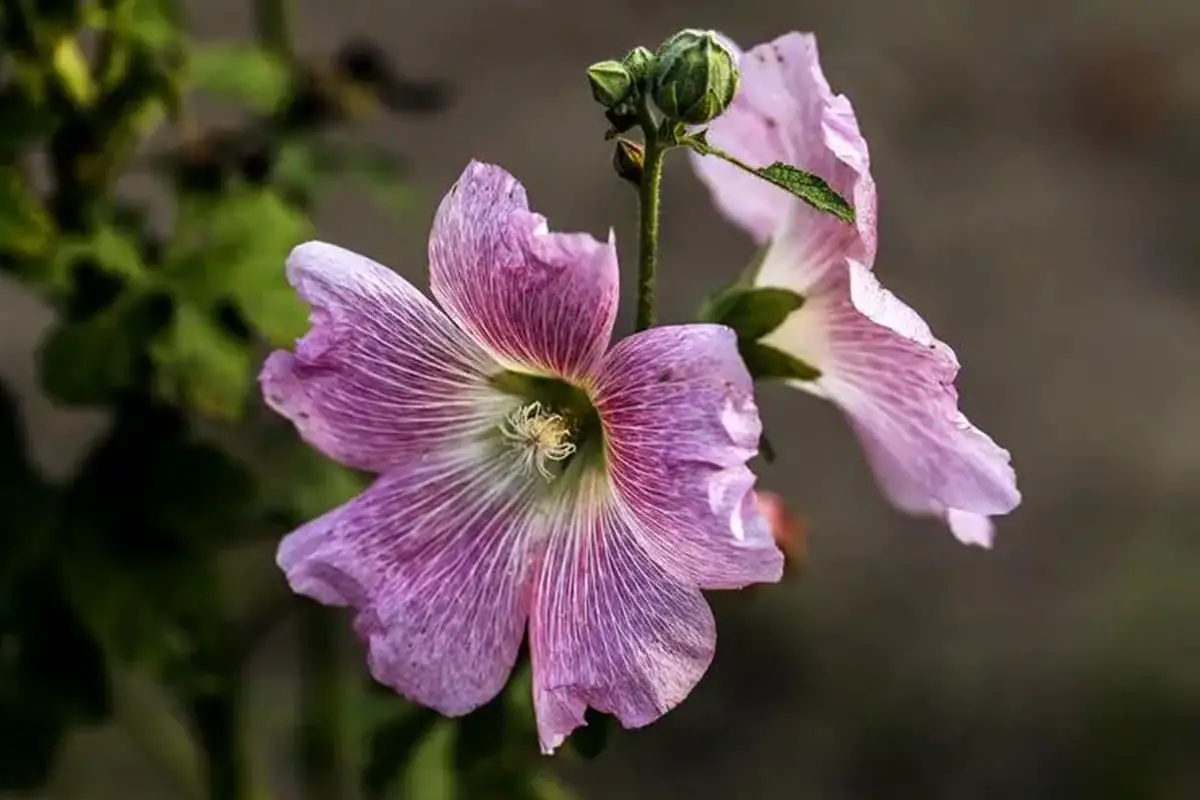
541,436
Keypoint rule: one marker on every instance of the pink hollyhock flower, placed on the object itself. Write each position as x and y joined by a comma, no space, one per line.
529,475
878,360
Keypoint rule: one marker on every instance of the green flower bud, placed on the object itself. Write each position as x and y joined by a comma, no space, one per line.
622,118
695,77
611,82
639,61
629,159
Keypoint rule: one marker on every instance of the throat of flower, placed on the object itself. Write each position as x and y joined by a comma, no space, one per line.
539,437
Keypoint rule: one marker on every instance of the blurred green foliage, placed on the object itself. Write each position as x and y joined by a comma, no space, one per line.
163,325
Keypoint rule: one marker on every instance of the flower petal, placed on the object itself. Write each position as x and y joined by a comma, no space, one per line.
542,302
882,365
382,374
785,111
969,528
609,628
680,423
435,559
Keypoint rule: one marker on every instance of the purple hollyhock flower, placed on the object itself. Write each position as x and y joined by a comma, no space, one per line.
529,475
878,360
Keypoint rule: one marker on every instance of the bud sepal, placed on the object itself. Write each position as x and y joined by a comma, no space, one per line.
629,160
611,82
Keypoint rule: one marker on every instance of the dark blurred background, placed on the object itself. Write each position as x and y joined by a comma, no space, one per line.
1039,169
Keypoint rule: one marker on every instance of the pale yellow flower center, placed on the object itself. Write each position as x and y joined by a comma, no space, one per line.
539,436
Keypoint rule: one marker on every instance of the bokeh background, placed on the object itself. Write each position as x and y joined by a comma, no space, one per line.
1039,169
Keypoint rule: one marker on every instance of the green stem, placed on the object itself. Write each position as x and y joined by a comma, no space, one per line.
649,192
322,740
145,717
272,24
216,714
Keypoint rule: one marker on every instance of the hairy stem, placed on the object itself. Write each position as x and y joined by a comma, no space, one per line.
649,193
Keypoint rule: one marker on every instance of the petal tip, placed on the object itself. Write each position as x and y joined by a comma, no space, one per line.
976,530
487,180
278,382
306,255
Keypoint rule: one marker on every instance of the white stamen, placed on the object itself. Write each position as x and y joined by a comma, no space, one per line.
540,437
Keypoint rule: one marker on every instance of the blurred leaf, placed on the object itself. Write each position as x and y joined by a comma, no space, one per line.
109,248
237,247
201,366
479,748
391,746
91,360
155,611
297,169
29,739
546,787
25,122
26,530
304,484
12,438
428,776
304,163
137,548
252,75
140,91
52,675
381,173
59,15
496,753
73,71
151,487
200,493
153,23
25,227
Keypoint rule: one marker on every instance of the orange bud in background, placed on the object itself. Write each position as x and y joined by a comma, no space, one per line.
788,529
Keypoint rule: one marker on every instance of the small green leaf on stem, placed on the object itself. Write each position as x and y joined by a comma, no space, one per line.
768,363
752,312
810,188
